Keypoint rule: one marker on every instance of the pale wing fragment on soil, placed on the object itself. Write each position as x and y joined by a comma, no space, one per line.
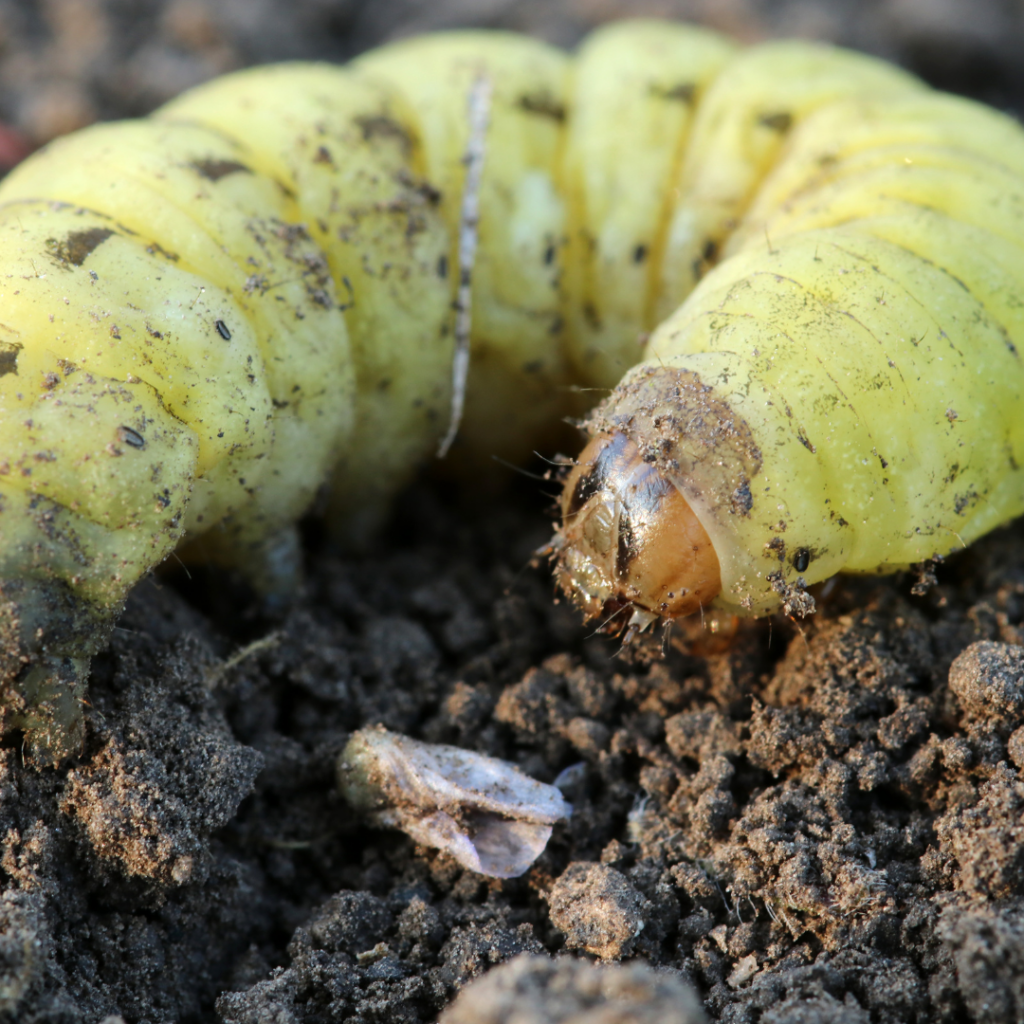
485,812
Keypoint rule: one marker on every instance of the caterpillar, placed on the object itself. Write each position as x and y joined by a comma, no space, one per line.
795,272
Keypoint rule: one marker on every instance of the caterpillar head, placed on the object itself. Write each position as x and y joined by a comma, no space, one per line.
630,550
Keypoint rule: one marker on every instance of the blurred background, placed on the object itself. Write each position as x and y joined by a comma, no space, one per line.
65,63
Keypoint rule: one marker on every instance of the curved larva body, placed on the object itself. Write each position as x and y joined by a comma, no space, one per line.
208,314
843,391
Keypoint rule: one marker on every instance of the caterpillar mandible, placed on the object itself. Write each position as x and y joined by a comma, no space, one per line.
207,314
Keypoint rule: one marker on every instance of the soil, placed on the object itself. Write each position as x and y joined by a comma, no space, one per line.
807,821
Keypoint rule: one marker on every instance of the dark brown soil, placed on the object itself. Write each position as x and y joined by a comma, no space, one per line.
819,822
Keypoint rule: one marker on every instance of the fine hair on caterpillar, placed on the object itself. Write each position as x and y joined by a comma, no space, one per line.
263,289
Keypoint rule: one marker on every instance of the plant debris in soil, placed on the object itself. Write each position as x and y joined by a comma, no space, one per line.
819,820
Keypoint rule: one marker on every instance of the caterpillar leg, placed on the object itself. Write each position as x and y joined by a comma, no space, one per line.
47,637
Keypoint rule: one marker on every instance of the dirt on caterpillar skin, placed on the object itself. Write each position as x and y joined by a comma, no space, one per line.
820,821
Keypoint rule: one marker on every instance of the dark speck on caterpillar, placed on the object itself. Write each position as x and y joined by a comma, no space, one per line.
355,232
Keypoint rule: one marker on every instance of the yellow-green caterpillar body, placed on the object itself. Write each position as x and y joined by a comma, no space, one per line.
206,315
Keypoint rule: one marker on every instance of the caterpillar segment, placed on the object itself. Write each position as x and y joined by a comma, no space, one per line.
793,274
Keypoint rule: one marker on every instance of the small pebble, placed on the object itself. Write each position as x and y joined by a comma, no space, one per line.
538,990
598,910
988,678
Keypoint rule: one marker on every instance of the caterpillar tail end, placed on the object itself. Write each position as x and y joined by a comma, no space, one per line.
47,638
630,550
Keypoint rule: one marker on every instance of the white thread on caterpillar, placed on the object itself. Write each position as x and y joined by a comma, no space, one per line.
469,221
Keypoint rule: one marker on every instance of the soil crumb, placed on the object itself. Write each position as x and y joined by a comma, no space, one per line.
537,990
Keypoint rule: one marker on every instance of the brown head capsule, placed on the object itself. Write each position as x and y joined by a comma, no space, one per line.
630,541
